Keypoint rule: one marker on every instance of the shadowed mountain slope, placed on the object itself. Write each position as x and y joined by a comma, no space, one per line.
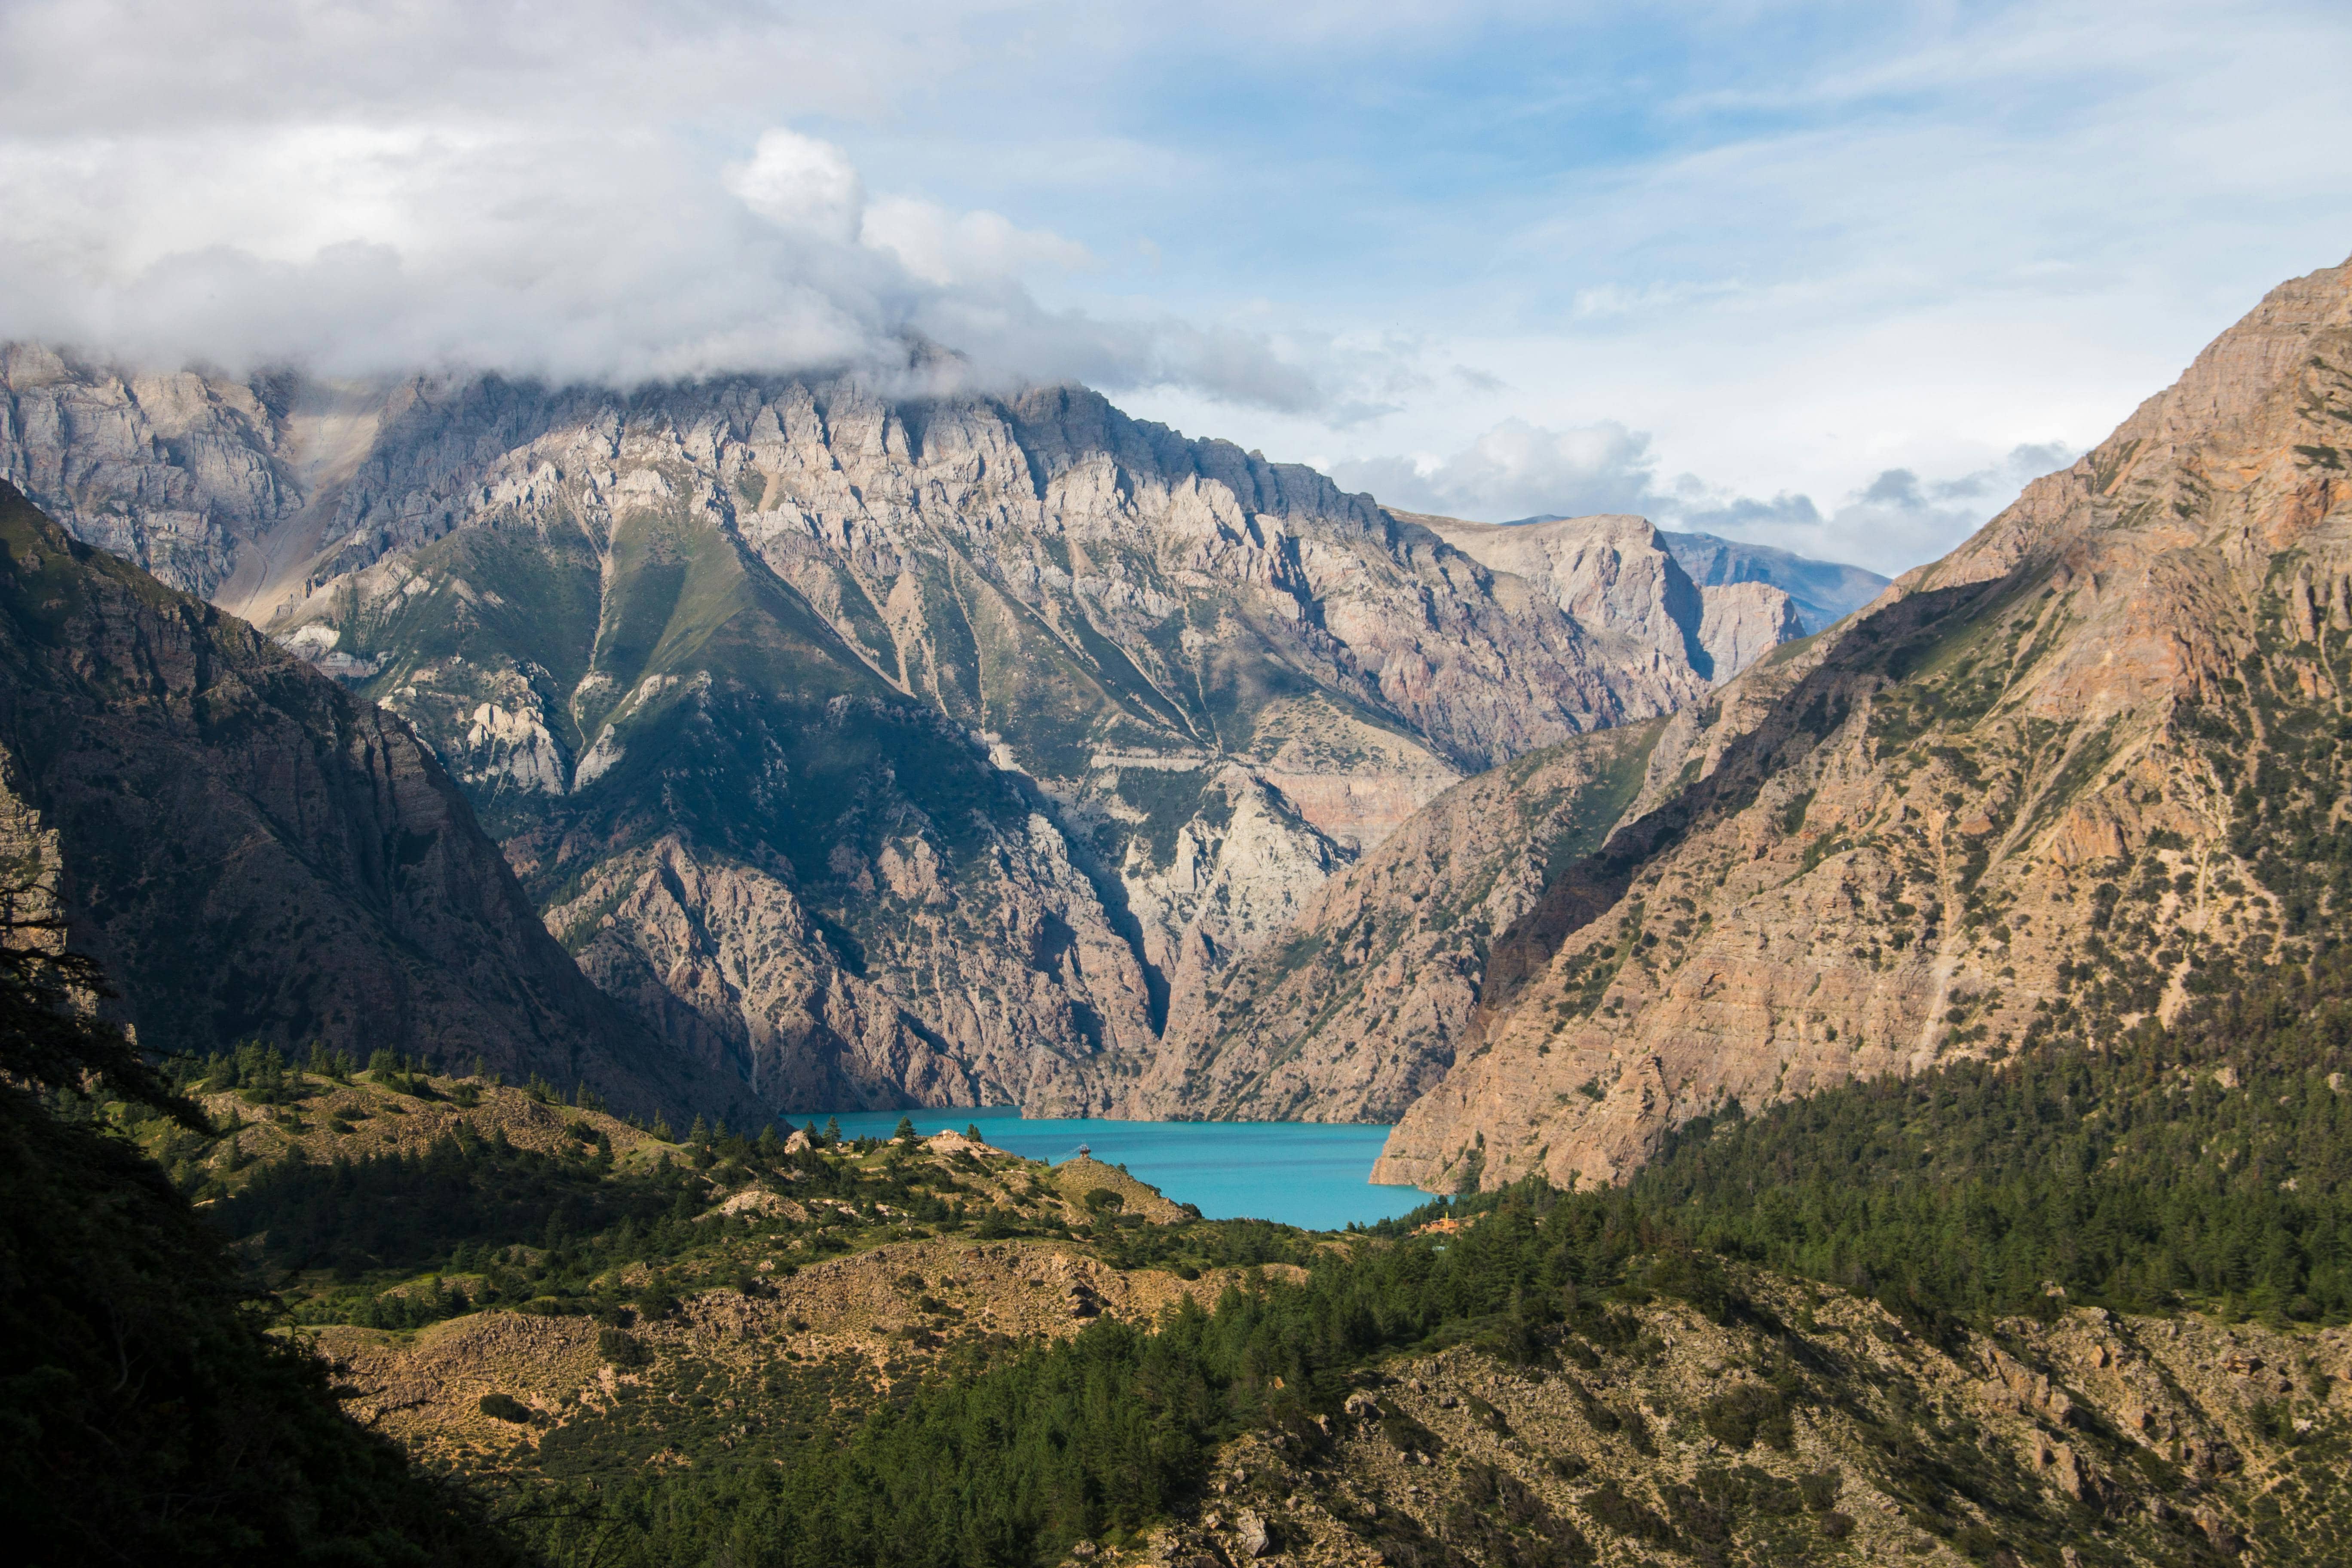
252,852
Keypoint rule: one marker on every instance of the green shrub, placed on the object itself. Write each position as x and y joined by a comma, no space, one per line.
1739,1415
1608,1504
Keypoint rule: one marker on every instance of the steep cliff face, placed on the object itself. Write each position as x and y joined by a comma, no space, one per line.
1742,622
1355,1010
253,853
1822,592
2088,765
174,472
1617,573
884,750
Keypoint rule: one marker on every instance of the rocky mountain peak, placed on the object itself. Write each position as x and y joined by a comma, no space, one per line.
2078,772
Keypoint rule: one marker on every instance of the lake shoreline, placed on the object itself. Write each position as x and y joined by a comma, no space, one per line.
1313,1175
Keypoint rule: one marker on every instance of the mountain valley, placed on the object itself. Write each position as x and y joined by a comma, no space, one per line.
1887,1077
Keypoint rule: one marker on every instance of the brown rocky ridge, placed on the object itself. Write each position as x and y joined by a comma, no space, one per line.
1831,1433
2082,769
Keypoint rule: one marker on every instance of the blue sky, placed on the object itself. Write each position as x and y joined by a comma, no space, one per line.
1834,276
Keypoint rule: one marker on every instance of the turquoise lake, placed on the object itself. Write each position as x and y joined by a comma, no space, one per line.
1306,1174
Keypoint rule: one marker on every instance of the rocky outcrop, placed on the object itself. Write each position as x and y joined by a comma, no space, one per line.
253,853
1822,592
171,471
881,751
2075,772
1742,622
1615,574
223,489
1356,1009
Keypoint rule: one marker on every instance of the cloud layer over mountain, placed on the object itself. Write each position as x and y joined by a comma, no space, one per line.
494,187
1797,248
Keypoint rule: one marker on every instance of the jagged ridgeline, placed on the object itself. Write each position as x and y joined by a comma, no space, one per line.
884,750
2058,786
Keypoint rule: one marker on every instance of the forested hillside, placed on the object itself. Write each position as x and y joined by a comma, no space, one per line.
2084,1300
148,1414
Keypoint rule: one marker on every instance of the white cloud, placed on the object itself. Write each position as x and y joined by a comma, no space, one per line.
365,190
1890,524
802,183
946,247
359,250
1901,239
1517,470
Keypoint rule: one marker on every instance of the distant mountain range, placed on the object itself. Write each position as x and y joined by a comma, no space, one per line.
872,753
1824,591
